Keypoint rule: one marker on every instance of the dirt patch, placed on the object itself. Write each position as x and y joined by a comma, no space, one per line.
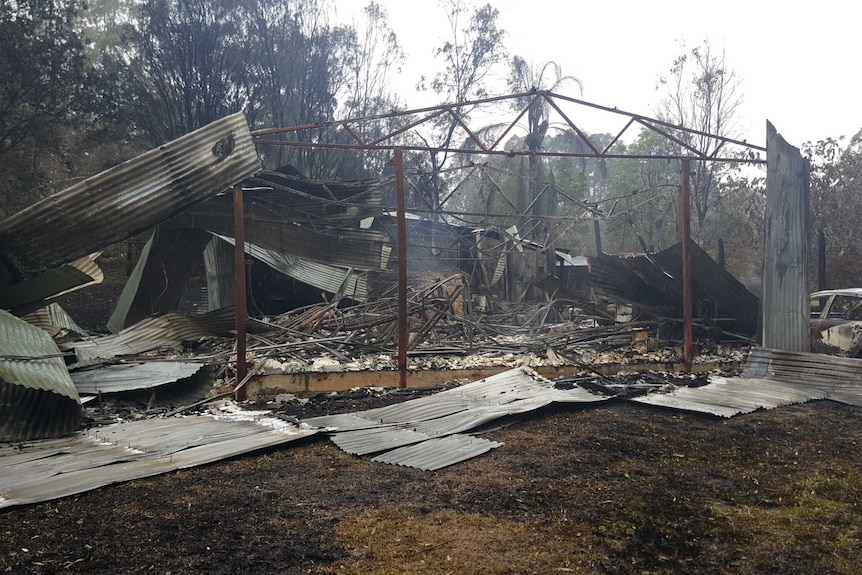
623,488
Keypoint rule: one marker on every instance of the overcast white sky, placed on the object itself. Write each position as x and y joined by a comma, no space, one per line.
796,62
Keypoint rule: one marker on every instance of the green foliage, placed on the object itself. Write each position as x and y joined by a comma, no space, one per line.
836,180
42,75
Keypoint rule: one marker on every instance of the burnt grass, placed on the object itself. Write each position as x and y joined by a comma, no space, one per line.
622,488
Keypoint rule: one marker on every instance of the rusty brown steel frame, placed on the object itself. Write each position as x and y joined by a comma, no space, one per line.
474,145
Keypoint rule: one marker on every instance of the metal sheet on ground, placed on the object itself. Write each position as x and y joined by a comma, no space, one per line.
42,470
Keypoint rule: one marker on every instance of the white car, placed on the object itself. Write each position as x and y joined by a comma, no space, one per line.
836,322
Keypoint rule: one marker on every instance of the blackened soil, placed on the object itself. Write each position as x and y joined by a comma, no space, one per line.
618,489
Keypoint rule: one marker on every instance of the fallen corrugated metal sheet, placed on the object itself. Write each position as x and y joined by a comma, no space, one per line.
43,470
54,320
451,412
126,199
37,292
131,376
839,378
321,276
438,453
727,397
770,379
166,331
37,396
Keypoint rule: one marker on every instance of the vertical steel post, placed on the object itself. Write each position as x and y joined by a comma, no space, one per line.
239,287
402,268
685,238
597,234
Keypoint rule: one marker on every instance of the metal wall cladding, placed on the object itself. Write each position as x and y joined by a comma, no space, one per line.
37,396
128,198
785,258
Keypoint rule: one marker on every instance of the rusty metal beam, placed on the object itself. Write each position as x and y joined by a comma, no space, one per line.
519,103
685,238
398,160
239,286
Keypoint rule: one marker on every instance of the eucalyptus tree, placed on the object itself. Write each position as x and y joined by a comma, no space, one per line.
702,92
836,178
42,80
470,56
189,59
299,64
374,58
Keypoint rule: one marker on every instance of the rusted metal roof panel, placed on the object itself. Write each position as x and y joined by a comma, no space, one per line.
126,199
451,412
37,397
131,376
49,469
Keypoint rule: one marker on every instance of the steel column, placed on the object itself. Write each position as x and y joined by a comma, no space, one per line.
239,288
685,238
398,160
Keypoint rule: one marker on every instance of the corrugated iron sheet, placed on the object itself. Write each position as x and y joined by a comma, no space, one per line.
219,264
839,378
37,397
438,453
274,230
49,469
654,283
161,275
33,293
301,198
321,276
162,332
785,257
430,418
727,397
53,319
126,199
770,379
131,376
